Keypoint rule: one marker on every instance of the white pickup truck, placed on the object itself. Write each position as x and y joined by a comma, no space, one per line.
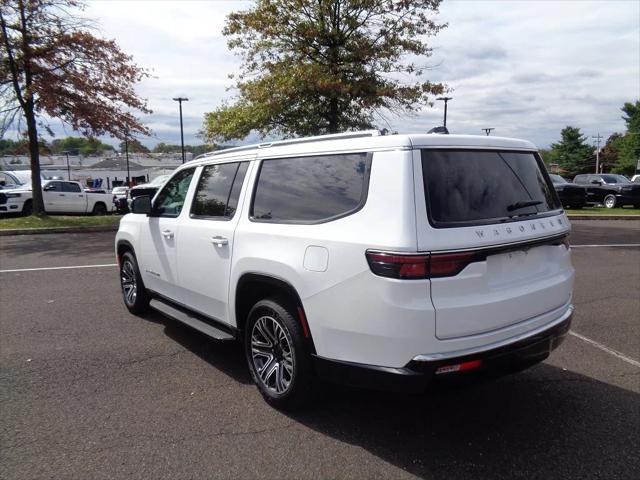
59,197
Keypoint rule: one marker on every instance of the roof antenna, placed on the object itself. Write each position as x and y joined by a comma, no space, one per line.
442,130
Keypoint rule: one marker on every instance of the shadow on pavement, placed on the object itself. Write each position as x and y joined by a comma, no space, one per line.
227,357
543,423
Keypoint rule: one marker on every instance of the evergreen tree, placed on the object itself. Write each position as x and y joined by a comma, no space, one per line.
572,152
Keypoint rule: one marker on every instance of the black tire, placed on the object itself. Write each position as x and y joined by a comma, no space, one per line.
297,385
100,209
609,201
27,208
138,301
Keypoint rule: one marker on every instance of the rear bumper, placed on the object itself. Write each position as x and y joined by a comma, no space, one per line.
418,373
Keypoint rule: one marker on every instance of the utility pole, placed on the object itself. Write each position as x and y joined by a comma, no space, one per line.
66,152
445,100
488,130
180,100
598,138
126,154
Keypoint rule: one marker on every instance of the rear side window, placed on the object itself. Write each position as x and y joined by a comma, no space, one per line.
468,187
311,189
71,187
219,190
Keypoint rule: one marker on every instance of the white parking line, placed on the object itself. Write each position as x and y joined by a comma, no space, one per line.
609,245
604,348
57,268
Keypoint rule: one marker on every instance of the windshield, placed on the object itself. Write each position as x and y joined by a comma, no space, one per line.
469,187
557,178
610,178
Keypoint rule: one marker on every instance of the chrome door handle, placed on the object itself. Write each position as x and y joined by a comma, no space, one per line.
219,241
168,234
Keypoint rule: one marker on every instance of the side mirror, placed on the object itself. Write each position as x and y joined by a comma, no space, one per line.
596,182
141,204
48,187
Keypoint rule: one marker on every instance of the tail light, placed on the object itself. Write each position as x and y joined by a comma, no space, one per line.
421,266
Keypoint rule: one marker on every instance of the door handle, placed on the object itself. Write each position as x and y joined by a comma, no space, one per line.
168,234
61,194
219,241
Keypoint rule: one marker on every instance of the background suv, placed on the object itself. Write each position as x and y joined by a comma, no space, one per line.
382,261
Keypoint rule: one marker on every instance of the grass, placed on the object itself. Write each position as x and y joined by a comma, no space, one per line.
603,211
51,221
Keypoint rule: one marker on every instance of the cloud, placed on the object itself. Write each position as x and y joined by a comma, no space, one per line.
526,68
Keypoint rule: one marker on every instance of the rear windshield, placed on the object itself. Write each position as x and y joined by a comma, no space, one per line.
469,187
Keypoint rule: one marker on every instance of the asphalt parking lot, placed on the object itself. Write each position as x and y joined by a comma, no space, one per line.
89,391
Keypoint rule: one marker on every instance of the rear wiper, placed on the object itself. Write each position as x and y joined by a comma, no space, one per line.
519,205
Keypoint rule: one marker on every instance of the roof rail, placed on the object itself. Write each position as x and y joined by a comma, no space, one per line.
318,138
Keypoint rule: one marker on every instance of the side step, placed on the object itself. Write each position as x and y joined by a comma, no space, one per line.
191,319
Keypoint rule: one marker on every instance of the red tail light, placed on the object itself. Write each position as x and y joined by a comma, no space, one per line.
413,266
398,266
450,264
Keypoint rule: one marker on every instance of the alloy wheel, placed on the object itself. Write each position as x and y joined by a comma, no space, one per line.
128,281
272,354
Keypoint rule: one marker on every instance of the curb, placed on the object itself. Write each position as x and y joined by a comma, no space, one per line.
44,231
603,217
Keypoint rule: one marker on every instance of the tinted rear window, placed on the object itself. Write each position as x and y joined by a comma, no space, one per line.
311,189
218,190
476,187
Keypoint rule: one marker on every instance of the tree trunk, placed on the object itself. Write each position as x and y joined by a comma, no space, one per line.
333,115
34,153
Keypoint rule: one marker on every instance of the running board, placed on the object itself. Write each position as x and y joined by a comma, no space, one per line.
190,319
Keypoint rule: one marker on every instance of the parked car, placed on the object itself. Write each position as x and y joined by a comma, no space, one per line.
571,196
148,189
12,179
609,189
635,179
378,260
120,199
59,197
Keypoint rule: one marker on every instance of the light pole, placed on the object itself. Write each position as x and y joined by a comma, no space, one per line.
488,130
180,100
598,138
445,100
66,152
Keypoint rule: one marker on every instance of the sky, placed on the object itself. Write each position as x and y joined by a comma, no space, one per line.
525,68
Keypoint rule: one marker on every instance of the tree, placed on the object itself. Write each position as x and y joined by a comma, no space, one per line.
51,65
134,146
572,152
610,151
326,66
79,146
629,145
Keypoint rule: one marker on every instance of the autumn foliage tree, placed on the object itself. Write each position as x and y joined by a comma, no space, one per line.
53,66
326,66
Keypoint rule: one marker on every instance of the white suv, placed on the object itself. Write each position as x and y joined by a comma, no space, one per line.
376,260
